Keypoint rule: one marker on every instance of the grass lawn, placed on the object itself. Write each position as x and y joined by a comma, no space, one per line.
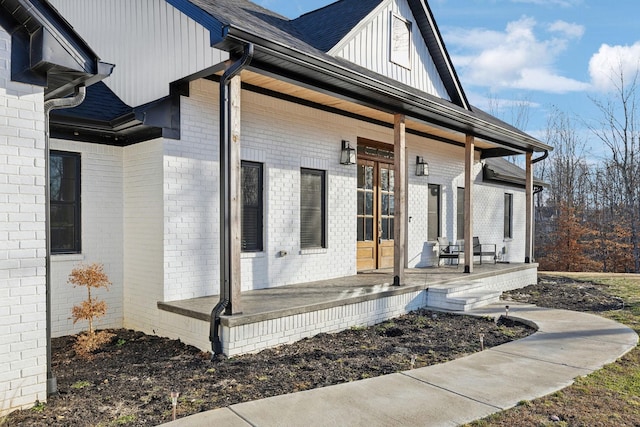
608,397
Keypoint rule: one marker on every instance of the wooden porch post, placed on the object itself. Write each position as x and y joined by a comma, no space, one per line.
399,189
235,177
528,250
468,203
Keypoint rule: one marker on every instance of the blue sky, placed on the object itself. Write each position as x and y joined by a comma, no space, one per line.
541,53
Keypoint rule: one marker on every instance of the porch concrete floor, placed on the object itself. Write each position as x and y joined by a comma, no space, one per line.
265,304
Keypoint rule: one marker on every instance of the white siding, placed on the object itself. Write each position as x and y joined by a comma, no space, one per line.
150,42
23,370
368,45
102,231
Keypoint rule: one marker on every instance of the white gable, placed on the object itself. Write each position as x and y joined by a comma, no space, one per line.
151,43
389,42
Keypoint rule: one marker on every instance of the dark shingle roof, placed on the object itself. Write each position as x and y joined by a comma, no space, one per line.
325,27
502,170
100,104
254,19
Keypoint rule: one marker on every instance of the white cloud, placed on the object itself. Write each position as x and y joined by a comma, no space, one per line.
568,29
514,58
606,66
563,3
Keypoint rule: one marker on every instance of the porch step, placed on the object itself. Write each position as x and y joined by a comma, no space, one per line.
461,296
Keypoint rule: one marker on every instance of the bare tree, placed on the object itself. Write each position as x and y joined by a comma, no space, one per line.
563,231
619,131
515,112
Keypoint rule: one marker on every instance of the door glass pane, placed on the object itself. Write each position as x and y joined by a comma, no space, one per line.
391,180
385,229
360,222
369,203
368,175
391,228
385,204
384,179
368,229
360,203
391,205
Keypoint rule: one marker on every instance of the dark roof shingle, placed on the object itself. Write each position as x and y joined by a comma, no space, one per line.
325,27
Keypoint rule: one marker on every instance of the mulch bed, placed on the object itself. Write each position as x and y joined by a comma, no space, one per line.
130,381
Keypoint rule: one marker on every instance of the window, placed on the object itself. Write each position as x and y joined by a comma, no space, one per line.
460,214
400,41
64,196
508,216
252,207
312,209
433,212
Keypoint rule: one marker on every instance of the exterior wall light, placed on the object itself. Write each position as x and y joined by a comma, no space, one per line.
348,154
422,167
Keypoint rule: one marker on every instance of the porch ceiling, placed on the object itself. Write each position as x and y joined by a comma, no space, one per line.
301,93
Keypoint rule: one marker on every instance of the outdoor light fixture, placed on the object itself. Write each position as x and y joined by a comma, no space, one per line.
422,167
348,154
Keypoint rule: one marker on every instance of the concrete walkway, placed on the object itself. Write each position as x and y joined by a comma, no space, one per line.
567,345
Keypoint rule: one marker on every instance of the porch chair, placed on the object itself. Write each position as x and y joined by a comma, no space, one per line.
448,251
484,249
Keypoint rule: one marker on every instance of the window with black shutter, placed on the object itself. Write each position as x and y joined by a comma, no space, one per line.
312,209
252,207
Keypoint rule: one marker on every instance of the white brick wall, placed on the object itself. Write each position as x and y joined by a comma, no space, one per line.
22,240
285,330
101,184
143,231
191,219
285,137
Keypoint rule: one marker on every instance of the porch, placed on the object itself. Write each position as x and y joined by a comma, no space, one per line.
288,313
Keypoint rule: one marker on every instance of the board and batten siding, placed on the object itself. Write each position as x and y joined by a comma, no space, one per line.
368,45
151,43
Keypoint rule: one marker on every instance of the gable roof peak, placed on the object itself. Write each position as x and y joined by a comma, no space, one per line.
323,28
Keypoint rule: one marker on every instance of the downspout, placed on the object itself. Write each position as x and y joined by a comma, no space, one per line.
225,196
541,158
52,104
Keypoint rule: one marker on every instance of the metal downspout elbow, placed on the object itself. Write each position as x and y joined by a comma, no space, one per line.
541,158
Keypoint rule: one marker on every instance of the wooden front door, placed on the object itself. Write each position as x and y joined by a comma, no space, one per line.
375,215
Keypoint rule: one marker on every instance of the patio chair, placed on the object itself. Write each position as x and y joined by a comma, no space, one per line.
448,251
484,249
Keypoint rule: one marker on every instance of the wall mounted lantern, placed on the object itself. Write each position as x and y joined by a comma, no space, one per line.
348,154
422,167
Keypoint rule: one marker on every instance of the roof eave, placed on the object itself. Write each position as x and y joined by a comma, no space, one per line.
379,94
47,52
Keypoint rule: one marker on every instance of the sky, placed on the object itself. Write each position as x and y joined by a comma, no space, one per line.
541,54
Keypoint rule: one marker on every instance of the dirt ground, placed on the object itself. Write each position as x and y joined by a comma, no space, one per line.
130,381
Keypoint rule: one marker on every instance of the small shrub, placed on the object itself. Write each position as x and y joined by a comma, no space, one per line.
37,407
79,385
90,276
